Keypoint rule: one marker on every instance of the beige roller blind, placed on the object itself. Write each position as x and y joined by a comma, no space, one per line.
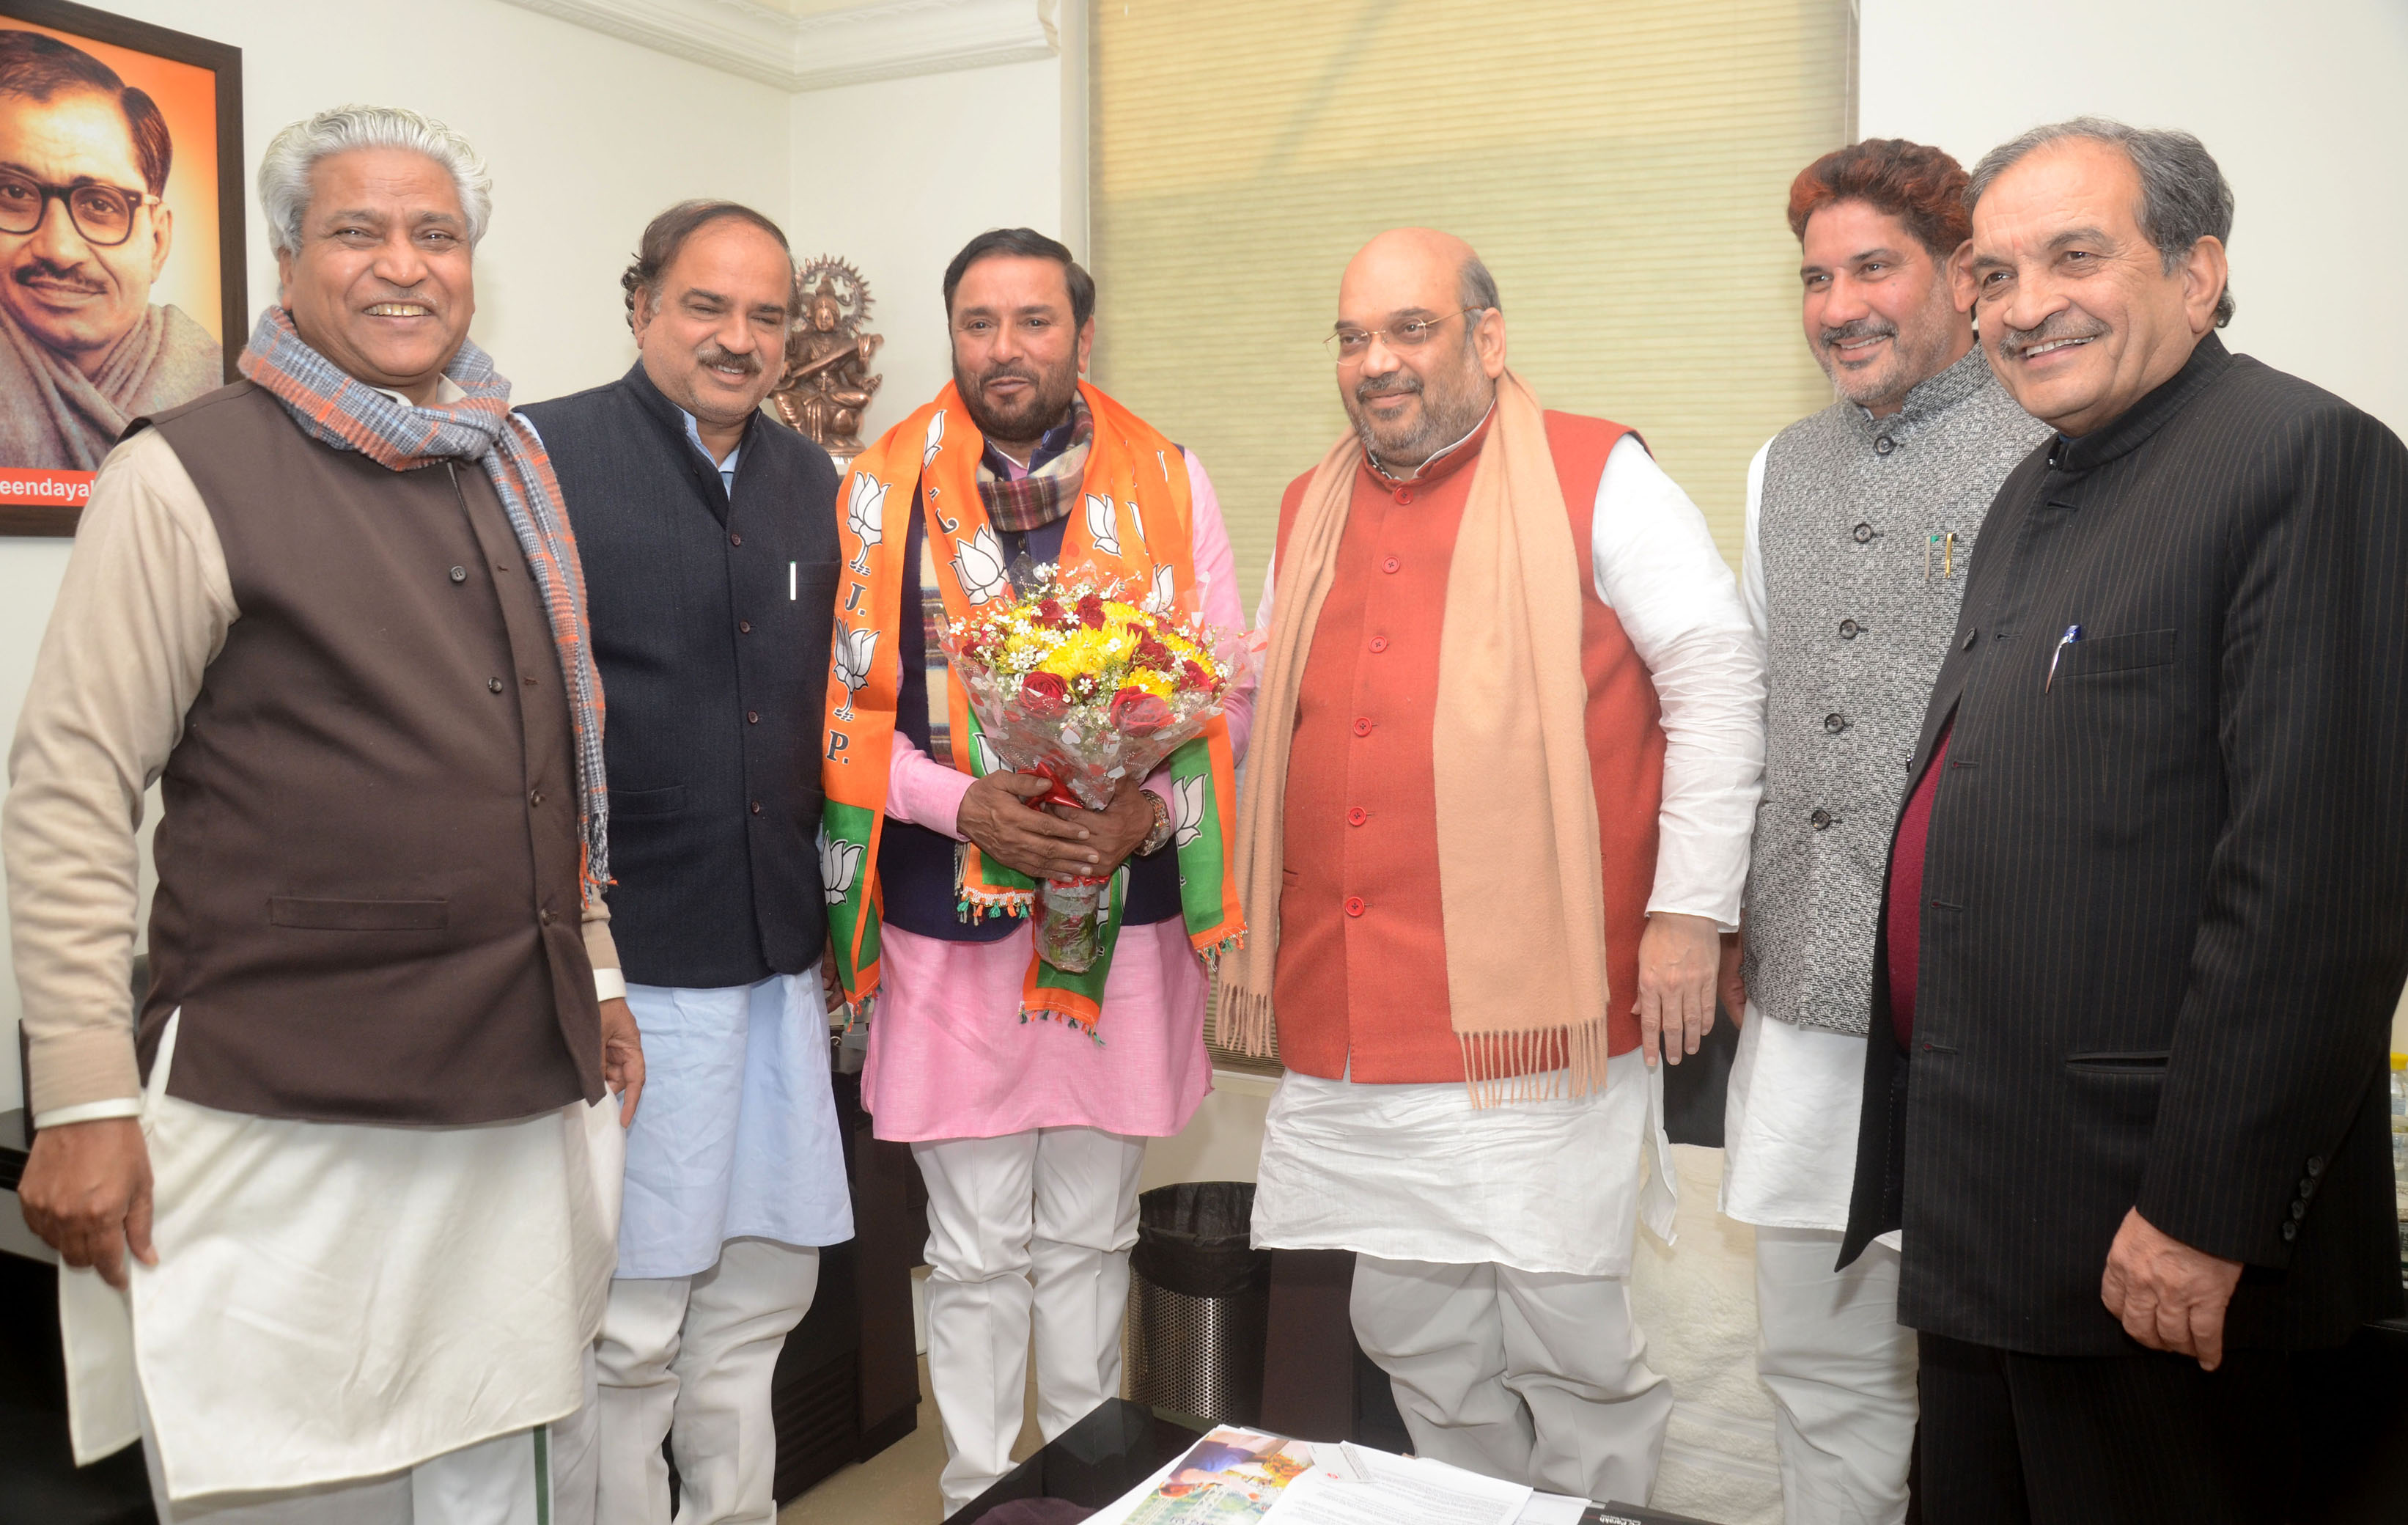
1623,169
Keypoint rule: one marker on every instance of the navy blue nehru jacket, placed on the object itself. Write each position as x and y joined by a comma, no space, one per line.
712,619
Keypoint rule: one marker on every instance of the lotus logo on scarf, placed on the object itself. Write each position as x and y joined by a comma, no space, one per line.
1103,524
866,516
1187,808
1165,589
1137,520
983,758
978,564
838,862
935,439
853,649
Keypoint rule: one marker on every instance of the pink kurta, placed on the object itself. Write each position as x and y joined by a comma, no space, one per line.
949,1055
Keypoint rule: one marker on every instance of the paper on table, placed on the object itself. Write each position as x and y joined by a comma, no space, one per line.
1553,1509
1399,1488
1230,1476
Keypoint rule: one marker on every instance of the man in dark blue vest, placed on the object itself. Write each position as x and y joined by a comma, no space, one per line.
708,533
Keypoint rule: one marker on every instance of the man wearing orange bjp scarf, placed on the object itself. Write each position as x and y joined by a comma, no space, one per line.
1026,1092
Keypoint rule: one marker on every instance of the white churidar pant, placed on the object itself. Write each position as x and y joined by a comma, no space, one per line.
1841,1371
494,1482
690,1357
1027,1231
1534,1378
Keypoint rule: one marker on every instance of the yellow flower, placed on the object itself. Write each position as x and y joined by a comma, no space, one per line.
1081,652
1151,681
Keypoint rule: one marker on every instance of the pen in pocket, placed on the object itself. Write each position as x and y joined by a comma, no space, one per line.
2072,634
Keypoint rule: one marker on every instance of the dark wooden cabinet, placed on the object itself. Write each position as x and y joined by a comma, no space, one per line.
848,1383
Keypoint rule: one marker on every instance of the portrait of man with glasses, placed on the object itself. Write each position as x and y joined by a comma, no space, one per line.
83,234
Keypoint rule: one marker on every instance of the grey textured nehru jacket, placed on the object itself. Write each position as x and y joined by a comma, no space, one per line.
1861,600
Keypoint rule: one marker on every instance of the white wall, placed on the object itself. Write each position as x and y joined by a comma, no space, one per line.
2302,105
896,176
587,137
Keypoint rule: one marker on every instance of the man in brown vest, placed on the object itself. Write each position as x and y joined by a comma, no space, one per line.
1505,765
338,1227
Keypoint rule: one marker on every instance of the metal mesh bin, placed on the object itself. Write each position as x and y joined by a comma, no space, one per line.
1199,1300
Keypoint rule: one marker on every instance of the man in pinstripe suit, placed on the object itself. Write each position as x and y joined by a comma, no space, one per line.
2147,909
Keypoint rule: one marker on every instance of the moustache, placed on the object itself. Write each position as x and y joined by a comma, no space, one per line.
1010,370
1856,328
1396,384
718,357
2055,326
41,269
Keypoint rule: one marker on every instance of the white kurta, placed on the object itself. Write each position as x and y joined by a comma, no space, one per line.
335,1301
1414,1171
737,1138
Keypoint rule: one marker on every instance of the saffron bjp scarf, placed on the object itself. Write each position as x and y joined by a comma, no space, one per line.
337,409
1521,883
1137,526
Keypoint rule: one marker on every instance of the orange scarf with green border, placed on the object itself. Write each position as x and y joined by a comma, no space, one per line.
1136,524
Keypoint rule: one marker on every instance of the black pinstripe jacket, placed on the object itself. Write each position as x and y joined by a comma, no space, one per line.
2166,895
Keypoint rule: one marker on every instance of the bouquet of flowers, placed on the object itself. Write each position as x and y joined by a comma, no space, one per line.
1075,682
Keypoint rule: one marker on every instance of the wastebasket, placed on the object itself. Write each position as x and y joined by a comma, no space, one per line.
1199,1300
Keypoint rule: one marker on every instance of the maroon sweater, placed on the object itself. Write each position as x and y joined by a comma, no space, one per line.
1905,908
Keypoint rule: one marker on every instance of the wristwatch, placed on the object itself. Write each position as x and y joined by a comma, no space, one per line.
1160,835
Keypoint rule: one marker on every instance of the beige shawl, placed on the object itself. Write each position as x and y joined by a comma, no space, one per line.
1520,882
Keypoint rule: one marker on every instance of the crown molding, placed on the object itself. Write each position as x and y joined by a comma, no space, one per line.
886,40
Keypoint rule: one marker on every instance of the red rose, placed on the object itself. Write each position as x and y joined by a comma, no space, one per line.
1045,696
1195,680
1138,714
1153,654
1050,611
1090,611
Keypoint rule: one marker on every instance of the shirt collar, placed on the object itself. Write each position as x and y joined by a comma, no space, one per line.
1442,463
694,436
447,391
1934,394
2129,430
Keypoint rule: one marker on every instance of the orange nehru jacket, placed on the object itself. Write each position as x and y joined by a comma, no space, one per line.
1362,949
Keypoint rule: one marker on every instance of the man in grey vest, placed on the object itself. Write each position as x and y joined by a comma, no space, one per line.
708,533
337,1215
1860,520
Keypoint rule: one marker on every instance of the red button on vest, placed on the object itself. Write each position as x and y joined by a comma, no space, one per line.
1404,495
1354,905
1362,727
1357,816
1390,565
1379,643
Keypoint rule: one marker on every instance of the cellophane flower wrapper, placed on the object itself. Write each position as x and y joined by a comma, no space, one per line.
1103,649
1075,681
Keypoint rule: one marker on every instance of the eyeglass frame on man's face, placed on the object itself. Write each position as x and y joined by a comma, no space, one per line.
1402,337
65,194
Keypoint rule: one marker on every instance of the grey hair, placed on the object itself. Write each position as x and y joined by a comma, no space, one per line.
284,170
1475,288
2184,196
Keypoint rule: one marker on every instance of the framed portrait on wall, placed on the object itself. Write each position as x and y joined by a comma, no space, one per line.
121,242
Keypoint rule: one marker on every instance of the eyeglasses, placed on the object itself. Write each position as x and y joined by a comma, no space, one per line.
102,214
1353,344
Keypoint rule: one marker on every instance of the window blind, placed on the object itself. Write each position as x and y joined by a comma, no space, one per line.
1623,169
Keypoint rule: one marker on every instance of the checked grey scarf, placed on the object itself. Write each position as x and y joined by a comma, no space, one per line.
337,409
1046,493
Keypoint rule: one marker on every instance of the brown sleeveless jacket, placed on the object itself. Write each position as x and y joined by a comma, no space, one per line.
367,906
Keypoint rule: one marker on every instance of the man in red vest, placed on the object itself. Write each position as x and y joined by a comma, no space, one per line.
1509,756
